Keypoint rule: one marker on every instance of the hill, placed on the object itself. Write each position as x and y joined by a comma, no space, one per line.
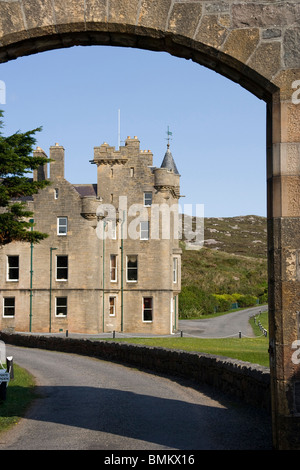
244,235
231,265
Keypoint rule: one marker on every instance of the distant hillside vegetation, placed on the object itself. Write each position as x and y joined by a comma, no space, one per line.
230,269
244,235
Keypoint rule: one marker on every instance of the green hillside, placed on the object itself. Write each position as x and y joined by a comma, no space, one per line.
231,268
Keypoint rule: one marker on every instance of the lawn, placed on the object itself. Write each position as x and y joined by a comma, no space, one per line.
254,350
19,395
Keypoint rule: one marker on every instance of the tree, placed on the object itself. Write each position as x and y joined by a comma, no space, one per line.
16,161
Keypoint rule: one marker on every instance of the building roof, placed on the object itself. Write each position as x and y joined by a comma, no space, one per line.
86,189
168,162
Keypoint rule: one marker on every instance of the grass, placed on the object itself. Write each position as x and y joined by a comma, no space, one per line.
254,350
19,395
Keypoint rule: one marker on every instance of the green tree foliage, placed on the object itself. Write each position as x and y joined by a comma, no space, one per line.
16,161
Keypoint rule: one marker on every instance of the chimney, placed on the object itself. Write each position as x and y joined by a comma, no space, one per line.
41,173
57,166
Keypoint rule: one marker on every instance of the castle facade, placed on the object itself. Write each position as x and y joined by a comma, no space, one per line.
112,260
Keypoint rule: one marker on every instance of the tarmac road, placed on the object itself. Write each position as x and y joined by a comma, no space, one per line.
227,325
89,404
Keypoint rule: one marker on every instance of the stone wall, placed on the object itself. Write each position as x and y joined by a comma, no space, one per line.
242,380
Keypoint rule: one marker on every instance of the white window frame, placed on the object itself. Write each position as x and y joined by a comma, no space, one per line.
114,305
62,267
146,193
113,268
56,192
9,268
175,270
5,307
60,226
137,269
144,232
61,315
143,309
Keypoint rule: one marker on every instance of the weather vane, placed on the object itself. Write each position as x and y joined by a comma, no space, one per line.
168,138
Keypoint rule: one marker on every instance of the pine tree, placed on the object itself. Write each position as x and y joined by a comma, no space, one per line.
16,162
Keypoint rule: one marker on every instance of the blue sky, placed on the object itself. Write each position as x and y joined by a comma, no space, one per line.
219,129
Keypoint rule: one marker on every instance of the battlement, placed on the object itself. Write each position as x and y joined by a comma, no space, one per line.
106,154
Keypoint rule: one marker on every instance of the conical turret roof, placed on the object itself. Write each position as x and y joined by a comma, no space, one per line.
168,162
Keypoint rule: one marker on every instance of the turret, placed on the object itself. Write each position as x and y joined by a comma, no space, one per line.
167,177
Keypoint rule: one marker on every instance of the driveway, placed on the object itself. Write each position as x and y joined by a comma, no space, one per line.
229,325
88,404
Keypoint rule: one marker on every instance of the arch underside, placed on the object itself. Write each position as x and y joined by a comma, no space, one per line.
152,40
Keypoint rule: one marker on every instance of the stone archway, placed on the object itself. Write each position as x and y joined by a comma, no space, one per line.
254,43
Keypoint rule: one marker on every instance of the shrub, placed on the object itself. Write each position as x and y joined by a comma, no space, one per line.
193,302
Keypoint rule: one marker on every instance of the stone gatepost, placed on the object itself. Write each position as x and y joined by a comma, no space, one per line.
283,171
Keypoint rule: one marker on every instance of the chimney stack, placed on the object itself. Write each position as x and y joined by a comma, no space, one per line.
57,166
41,173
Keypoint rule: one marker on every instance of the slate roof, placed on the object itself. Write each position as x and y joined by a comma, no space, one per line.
86,189
169,163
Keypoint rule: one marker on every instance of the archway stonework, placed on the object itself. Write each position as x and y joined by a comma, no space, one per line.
254,43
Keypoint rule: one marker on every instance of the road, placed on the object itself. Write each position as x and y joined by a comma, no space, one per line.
89,404
223,326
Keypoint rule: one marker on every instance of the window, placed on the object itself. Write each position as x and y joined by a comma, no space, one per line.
113,268
147,309
112,306
132,268
56,193
131,172
144,230
62,225
61,268
175,269
147,199
61,306
13,268
8,306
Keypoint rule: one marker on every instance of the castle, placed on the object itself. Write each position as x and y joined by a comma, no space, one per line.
112,260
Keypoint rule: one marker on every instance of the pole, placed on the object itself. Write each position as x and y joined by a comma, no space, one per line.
122,269
103,274
51,249
31,275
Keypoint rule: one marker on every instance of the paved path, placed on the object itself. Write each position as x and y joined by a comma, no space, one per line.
89,404
225,325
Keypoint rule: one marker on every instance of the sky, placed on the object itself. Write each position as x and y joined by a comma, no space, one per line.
77,95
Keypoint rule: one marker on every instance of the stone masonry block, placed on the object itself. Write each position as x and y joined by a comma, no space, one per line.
69,15
184,18
96,11
240,44
211,32
266,59
123,11
12,26
154,14
258,14
39,15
